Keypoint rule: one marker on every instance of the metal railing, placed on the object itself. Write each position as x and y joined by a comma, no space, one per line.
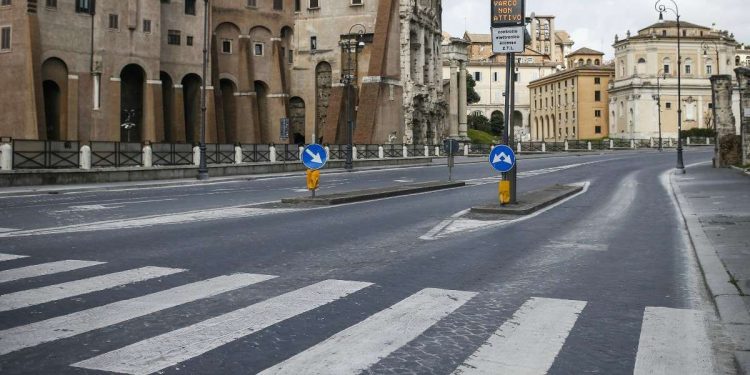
256,153
393,151
116,154
45,154
171,154
220,154
368,151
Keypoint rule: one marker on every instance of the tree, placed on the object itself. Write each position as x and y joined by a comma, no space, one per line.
478,121
497,123
471,94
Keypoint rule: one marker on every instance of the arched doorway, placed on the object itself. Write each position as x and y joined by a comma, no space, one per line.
191,90
264,124
323,81
229,108
497,122
517,123
167,102
132,80
54,89
297,120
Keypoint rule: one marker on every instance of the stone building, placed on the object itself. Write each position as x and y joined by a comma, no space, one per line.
80,71
549,41
398,91
652,53
742,57
572,104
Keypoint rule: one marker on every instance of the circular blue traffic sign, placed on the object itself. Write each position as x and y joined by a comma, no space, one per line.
314,156
502,158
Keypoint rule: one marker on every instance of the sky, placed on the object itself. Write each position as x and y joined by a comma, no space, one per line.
594,23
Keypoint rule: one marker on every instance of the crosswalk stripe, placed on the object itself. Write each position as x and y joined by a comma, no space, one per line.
673,341
56,292
168,349
4,257
99,317
529,342
44,269
358,347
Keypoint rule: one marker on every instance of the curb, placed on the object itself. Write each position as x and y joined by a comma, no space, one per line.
727,299
531,202
373,194
741,170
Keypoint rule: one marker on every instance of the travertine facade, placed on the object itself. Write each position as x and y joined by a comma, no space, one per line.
78,73
652,52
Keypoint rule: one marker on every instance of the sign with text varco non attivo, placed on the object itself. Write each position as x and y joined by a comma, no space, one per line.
508,13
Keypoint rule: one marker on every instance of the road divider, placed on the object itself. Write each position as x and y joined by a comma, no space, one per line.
372,194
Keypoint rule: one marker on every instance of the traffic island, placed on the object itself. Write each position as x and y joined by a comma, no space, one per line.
372,194
530,202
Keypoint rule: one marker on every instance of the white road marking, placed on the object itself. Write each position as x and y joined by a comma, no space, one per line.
356,348
529,342
99,317
56,292
168,349
108,206
5,257
44,269
234,212
3,230
458,224
674,341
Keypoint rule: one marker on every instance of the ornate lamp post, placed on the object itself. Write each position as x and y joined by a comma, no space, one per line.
661,8
658,100
202,167
351,46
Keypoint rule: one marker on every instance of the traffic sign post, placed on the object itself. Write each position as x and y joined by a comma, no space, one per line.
314,157
450,147
503,159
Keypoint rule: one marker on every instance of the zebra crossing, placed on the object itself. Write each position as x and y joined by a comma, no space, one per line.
672,341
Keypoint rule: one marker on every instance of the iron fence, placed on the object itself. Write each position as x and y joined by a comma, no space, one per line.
29,154
256,153
337,152
555,146
532,146
171,154
480,149
393,151
577,145
220,154
368,151
621,143
116,154
287,152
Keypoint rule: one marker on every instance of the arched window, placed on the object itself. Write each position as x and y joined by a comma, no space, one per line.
588,62
622,68
667,65
641,69
737,61
709,67
580,62
597,62
688,66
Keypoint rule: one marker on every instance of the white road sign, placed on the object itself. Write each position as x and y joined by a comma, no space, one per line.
507,39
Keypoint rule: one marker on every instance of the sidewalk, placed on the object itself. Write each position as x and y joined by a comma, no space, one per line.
716,206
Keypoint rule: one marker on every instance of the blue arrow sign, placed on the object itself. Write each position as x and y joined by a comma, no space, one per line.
502,158
314,156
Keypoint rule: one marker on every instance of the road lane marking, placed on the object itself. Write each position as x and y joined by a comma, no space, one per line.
3,230
457,223
529,342
99,317
6,257
44,269
358,347
56,292
235,212
674,341
171,348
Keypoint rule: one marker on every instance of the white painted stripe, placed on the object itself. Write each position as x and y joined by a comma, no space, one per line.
99,317
529,342
2,230
44,269
4,257
358,347
674,341
168,349
56,292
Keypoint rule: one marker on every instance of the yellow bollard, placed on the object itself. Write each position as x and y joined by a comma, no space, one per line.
504,192
313,179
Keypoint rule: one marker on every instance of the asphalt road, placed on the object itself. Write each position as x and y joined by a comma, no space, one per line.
602,283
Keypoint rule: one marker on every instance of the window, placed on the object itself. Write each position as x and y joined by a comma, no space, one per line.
314,4
709,67
84,6
495,76
278,4
252,3
258,49
5,38
477,76
173,37
114,21
189,40
664,33
357,2
598,113
666,64
313,43
146,26
291,56
669,105
597,81
4,3
597,96
688,66
297,5
226,46
190,7
51,3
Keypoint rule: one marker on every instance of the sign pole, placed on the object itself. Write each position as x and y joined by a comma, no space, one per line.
511,129
506,120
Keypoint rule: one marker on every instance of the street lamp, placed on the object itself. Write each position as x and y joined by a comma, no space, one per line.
658,100
202,167
351,45
661,8
705,46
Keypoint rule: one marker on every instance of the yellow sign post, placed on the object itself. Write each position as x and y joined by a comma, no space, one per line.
504,191
313,180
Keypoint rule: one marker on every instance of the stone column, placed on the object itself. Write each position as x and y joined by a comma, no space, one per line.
727,151
462,118
743,77
453,102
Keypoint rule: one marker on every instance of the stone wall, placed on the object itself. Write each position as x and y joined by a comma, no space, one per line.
727,153
743,78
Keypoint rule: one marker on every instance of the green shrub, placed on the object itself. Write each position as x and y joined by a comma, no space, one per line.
700,133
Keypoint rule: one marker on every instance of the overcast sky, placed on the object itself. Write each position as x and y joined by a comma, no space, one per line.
594,23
